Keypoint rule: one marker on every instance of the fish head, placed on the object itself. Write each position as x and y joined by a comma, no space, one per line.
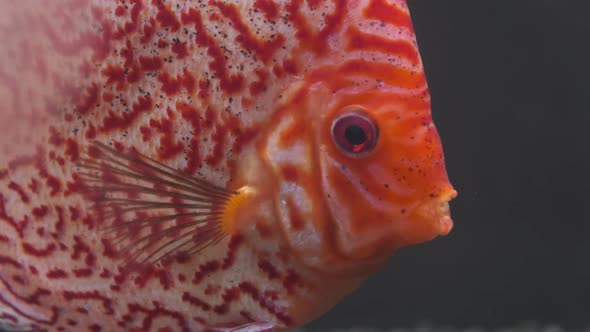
382,167
359,162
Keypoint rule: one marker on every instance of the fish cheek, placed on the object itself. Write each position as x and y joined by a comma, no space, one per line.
359,210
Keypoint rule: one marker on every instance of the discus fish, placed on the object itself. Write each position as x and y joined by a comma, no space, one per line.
208,165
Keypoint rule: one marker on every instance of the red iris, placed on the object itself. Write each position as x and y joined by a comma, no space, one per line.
355,133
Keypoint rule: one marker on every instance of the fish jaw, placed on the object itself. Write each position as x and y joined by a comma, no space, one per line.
373,225
437,211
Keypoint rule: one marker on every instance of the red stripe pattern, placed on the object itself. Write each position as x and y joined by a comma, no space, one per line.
191,84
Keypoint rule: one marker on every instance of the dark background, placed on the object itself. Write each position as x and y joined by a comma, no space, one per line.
509,84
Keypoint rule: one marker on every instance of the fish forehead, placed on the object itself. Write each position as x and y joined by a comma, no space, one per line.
190,83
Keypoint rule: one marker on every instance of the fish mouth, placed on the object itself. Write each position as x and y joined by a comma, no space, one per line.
437,213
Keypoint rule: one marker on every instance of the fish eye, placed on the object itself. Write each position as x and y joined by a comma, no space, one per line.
355,133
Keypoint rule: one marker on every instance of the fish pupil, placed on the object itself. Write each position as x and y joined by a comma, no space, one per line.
355,135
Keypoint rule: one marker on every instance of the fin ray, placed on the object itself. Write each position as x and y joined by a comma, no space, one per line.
151,212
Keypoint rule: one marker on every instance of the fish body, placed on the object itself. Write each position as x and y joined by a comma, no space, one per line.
208,165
